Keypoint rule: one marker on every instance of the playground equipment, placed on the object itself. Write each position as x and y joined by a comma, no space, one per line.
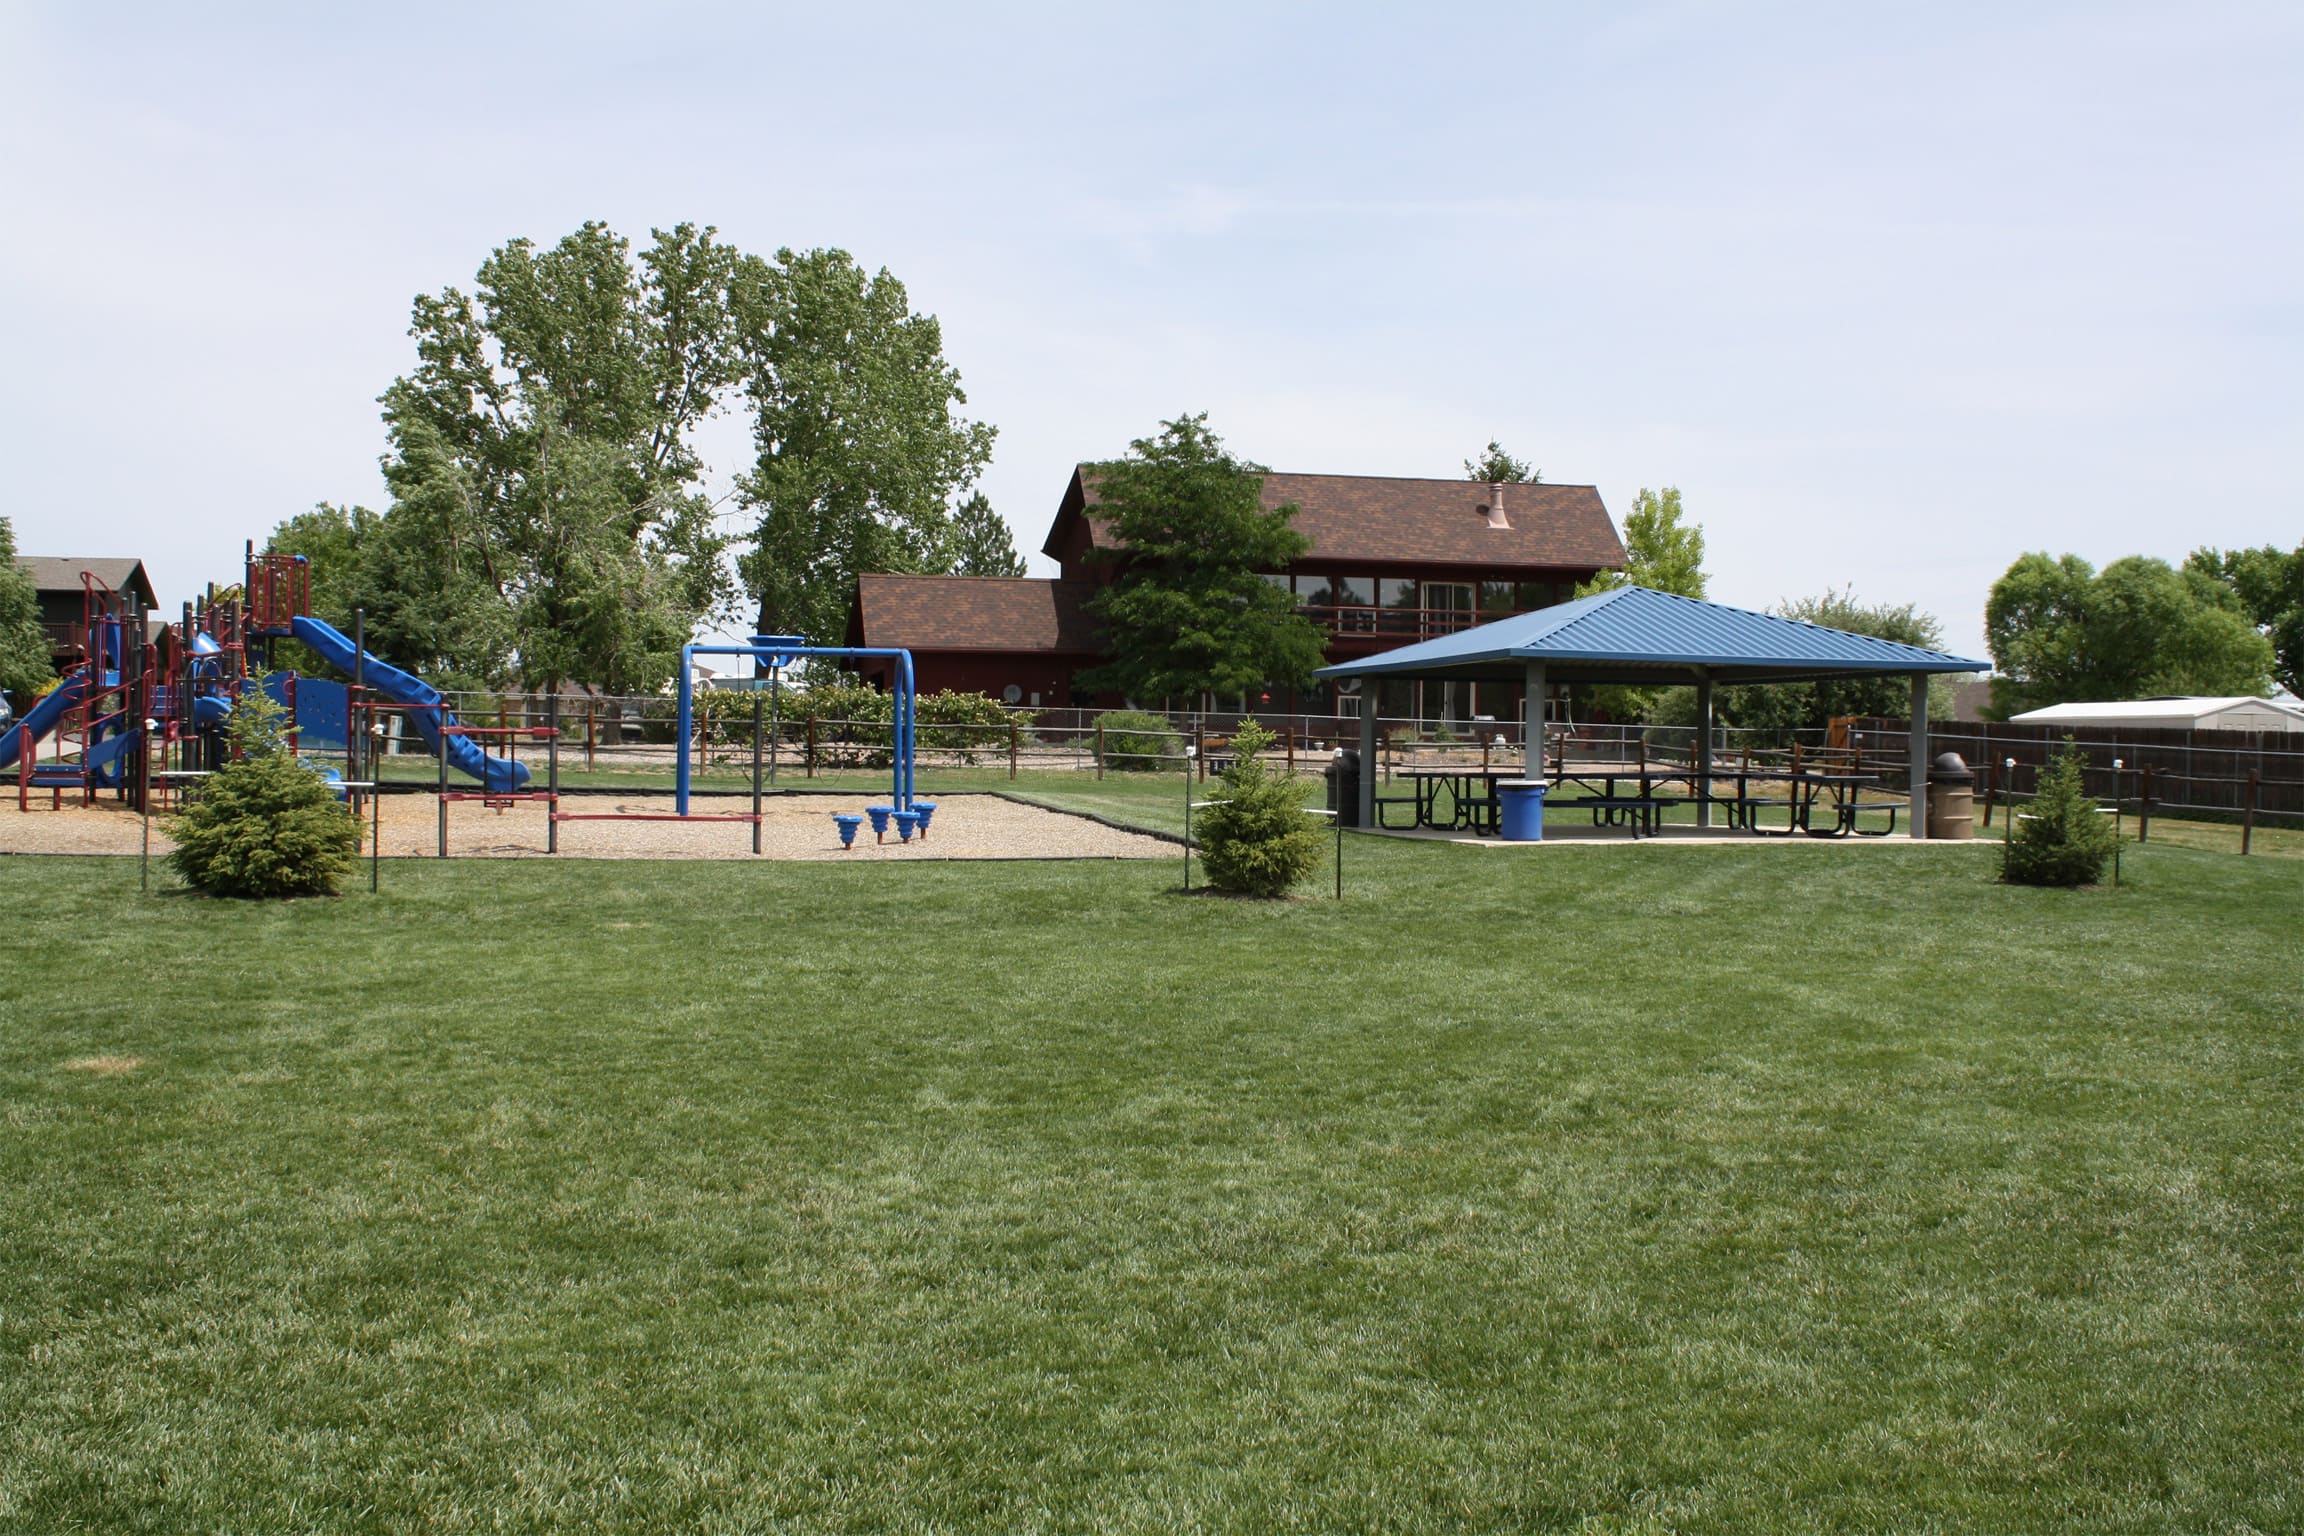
95,718
144,714
775,651
144,711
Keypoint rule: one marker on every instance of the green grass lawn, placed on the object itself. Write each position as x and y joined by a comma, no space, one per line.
1764,1188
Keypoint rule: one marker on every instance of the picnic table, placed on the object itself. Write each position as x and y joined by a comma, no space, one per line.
1471,795
1636,808
1816,803
1840,794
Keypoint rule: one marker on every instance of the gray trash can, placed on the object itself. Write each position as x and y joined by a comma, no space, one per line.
1343,773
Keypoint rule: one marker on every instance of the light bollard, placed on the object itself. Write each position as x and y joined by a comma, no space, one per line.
2008,822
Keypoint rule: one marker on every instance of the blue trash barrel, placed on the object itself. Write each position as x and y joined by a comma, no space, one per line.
1520,810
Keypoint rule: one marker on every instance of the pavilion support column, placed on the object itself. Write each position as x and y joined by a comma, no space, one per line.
1368,766
1703,749
1919,766
1534,728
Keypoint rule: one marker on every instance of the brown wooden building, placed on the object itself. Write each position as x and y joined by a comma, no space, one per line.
1392,561
63,582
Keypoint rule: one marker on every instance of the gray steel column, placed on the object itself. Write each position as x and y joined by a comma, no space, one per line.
1533,730
1703,749
1919,815
1367,755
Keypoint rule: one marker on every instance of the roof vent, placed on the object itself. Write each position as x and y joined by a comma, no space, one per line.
1494,511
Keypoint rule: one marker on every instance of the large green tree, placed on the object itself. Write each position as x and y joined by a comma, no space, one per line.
426,601
1662,550
2061,631
2269,583
1187,611
544,447
979,543
1811,706
859,442
1496,467
549,520
24,651
1665,553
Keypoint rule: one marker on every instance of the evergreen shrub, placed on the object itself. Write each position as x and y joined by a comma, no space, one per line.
1258,842
1135,742
2061,838
266,824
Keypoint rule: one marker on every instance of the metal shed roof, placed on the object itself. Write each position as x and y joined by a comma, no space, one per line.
1637,635
2174,713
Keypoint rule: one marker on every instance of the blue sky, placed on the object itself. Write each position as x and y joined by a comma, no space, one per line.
1892,296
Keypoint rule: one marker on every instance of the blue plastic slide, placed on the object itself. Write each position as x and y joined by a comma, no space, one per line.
498,774
41,718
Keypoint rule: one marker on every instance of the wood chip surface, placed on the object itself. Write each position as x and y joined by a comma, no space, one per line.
792,827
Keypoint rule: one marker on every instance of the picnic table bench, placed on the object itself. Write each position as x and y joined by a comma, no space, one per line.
1804,791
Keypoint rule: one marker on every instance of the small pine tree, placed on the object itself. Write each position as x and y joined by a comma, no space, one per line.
2061,838
1258,842
265,824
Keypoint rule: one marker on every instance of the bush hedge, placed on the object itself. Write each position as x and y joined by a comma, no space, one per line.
860,721
1135,742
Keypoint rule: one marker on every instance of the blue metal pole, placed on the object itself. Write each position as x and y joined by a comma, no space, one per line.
904,704
903,734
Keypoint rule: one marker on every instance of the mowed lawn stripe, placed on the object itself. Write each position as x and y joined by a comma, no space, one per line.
1773,1188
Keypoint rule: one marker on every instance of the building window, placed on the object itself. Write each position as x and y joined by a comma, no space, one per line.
1497,599
1398,597
1339,592
1282,582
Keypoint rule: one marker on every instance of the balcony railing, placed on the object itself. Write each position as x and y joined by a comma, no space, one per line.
1402,624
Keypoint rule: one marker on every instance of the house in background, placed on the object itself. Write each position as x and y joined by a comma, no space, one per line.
1018,639
63,585
1392,561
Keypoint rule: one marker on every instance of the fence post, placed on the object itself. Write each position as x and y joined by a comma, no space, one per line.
2248,819
1013,734
2144,808
811,747
440,717
1099,751
591,734
1288,745
1199,755
1991,782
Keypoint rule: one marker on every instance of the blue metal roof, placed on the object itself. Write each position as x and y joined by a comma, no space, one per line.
1634,633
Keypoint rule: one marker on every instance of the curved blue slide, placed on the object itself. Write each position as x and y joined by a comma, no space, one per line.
41,718
498,774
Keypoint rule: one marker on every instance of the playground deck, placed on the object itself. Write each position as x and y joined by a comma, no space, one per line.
793,827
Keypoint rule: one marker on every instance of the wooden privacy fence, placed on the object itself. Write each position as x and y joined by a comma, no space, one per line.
2241,775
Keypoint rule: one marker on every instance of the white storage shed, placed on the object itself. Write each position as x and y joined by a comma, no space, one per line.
2173,714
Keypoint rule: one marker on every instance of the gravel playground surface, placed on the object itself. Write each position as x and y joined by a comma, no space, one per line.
791,827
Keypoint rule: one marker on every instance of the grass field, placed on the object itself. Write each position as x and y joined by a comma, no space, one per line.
1765,1188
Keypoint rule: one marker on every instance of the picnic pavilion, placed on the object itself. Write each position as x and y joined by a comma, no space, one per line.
1644,638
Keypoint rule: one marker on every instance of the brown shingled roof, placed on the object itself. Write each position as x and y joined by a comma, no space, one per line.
1378,518
61,573
976,613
